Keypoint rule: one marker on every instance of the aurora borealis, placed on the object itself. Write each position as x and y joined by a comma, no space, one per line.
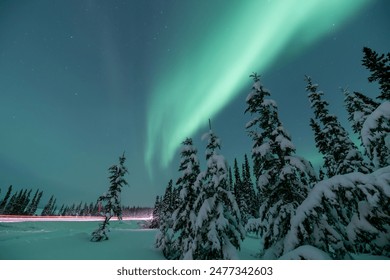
83,81
214,66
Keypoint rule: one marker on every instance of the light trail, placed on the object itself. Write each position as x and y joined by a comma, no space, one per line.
21,218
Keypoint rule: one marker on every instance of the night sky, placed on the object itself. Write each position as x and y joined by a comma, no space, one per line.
83,81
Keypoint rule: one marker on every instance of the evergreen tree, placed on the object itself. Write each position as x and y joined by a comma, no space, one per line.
49,208
244,191
375,131
379,66
9,208
238,191
111,199
26,202
375,135
94,208
184,215
18,205
346,214
283,179
250,195
237,181
155,223
218,227
230,178
65,212
78,209
4,202
176,200
86,210
164,239
72,209
34,206
340,154
61,211
359,107
22,202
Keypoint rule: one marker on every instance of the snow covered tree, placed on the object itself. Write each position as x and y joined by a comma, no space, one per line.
176,200
164,238
370,119
359,107
237,179
111,199
250,195
375,130
230,178
344,215
155,223
237,188
184,216
218,229
379,66
283,179
375,135
244,192
340,154
239,193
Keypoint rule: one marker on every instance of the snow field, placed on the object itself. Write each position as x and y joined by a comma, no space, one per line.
70,241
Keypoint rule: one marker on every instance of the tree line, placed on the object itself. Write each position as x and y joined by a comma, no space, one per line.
20,203
26,202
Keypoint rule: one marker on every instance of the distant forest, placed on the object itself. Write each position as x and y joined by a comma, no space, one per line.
23,202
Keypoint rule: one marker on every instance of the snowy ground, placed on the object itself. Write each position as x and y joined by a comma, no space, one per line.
69,240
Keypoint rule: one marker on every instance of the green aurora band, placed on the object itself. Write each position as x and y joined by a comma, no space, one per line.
215,62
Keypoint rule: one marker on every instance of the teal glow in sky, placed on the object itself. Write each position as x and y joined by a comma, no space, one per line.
245,36
83,81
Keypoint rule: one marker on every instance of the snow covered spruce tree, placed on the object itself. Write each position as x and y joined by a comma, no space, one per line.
375,131
238,193
283,179
218,229
155,223
340,154
248,188
344,215
184,216
371,122
244,192
359,107
111,200
164,238
375,135
379,66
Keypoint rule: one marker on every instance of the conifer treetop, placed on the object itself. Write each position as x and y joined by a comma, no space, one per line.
379,66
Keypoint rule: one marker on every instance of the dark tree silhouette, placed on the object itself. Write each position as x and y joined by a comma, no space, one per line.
111,199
